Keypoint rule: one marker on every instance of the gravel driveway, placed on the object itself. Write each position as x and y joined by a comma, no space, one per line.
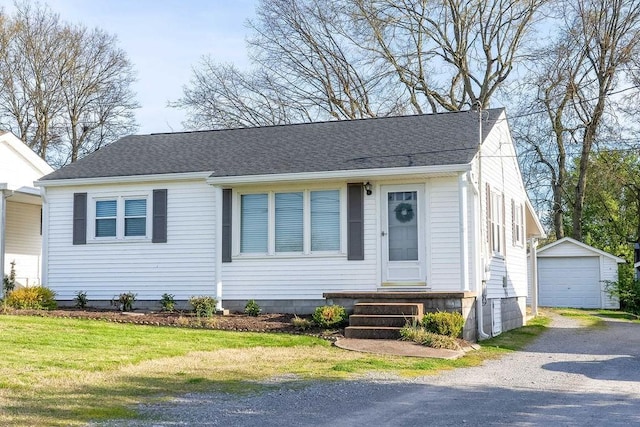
569,376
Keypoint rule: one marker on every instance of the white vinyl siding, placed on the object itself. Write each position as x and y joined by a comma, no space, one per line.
507,270
443,235
183,266
19,168
23,241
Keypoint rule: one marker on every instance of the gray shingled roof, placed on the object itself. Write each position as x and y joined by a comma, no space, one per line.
421,140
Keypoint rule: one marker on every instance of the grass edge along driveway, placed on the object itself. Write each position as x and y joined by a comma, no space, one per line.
69,371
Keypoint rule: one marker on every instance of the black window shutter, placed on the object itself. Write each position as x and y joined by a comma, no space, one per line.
226,225
355,221
159,216
79,218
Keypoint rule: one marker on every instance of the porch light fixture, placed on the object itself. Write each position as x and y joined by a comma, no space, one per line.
367,188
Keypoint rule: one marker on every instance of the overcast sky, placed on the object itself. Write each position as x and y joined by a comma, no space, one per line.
164,39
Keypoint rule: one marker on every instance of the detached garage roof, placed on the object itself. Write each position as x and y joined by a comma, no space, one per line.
570,247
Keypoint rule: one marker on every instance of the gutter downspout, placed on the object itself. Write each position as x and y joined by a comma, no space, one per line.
482,283
4,195
44,251
533,253
3,214
463,194
218,249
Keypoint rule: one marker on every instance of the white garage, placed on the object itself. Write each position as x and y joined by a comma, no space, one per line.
572,274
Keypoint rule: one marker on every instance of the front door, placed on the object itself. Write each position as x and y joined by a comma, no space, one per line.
402,235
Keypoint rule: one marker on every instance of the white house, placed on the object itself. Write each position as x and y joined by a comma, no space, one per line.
20,210
574,274
288,215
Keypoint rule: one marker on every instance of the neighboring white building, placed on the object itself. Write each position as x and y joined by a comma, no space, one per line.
20,209
573,274
287,214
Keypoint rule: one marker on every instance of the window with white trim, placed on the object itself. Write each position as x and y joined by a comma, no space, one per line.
106,218
296,222
119,218
517,213
495,222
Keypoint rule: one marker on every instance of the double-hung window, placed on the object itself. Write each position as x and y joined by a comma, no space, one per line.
325,220
495,221
120,217
106,218
254,221
517,214
289,219
296,222
135,217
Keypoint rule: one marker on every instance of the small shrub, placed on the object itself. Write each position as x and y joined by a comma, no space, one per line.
422,336
204,322
252,308
330,316
301,323
124,301
627,290
9,281
182,321
203,306
32,298
444,323
81,299
168,302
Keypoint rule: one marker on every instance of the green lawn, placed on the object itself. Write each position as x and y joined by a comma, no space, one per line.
594,317
69,371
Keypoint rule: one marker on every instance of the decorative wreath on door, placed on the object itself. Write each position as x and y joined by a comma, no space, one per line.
404,212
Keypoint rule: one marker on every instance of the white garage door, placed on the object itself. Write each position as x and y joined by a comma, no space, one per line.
569,282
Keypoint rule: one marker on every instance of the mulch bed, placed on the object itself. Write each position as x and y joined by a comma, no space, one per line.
233,322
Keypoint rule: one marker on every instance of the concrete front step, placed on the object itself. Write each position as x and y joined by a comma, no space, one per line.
372,332
392,320
389,308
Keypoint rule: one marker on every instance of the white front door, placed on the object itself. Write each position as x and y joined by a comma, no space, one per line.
403,260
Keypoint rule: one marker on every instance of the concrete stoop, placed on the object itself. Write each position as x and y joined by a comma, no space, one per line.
382,320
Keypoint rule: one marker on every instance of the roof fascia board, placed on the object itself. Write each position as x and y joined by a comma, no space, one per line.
21,149
582,245
341,174
187,176
31,191
532,212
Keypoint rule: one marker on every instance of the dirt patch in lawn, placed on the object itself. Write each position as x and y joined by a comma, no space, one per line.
271,322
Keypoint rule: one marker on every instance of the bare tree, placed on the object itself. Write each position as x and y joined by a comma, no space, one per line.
453,54
349,59
65,90
29,101
574,81
221,96
95,80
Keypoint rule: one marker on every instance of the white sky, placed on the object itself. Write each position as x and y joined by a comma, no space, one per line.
164,40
